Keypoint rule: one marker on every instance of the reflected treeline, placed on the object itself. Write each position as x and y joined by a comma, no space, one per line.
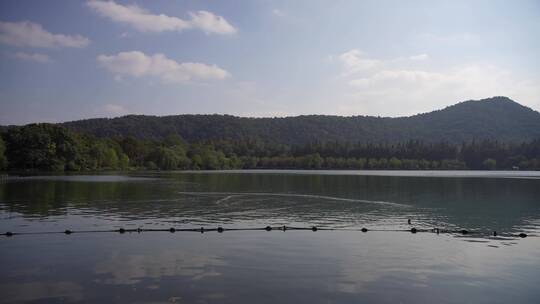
472,203
53,197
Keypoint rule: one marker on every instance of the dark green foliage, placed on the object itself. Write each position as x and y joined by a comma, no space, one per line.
497,118
53,148
165,158
135,150
3,159
41,147
490,164
216,142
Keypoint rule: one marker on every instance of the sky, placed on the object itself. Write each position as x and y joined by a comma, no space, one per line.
69,60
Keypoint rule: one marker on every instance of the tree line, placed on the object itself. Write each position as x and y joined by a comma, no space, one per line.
497,117
48,147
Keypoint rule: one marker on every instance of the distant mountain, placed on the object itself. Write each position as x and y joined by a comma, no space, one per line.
498,118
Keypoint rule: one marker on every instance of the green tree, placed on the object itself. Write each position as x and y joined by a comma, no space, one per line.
373,163
150,165
40,147
394,163
248,162
136,150
123,161
489,164
210,160
196,162
183,162
165,158
3,159
110,159
173,140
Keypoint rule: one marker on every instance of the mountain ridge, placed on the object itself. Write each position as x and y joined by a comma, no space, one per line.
498,118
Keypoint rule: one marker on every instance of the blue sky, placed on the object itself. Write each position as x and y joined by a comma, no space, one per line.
67,60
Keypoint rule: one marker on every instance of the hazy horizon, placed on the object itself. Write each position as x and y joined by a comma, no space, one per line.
277,116
70,60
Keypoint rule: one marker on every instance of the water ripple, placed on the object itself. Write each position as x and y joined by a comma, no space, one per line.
229,195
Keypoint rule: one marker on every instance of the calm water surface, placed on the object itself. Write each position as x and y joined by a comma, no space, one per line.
272,267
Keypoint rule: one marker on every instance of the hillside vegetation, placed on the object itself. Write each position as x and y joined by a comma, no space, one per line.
497,118
490,134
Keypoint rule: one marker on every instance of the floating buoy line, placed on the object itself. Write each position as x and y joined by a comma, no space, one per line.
274,228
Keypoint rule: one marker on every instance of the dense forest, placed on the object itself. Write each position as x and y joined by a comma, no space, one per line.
494,133
55,148
497,118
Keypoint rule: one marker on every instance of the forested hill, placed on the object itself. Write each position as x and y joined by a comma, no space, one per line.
497,118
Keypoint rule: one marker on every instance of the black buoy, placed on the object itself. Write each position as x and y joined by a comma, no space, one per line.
68,231
464,231
220,229
522,235
172,230
139,230
268,228
413,230
121,230
202,229
409,221
494,233
284,228
9,233
364,229
314,228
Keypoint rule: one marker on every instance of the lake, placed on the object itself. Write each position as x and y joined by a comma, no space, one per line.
386,264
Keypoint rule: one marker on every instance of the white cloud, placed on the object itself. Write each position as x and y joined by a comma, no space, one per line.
35,57
210,23
419,57
278,13
144,21
138,64
29,34
458,39
354,61
395,86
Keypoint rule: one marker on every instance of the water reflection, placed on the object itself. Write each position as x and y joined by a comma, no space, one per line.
133,268
485,204
269,267
46,291
290,267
